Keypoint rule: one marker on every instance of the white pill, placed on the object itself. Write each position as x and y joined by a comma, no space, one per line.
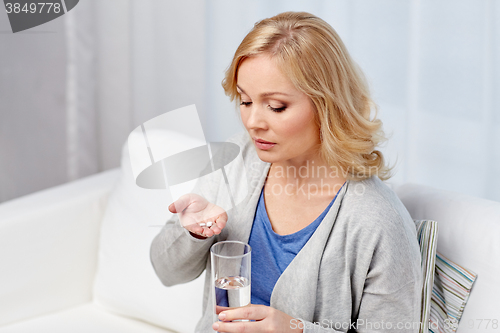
202,224
209,224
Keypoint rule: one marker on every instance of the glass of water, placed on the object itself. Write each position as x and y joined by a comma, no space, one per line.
231,274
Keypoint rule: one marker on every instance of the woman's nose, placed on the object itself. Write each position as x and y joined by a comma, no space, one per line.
256,118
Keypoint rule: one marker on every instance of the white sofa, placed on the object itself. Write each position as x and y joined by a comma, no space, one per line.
55,277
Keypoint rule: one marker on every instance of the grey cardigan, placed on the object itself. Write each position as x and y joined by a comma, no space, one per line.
359,271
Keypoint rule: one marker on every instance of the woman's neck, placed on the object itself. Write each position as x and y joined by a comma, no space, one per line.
306,170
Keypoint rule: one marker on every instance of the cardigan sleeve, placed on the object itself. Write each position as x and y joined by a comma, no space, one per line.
177,257
396,311
393,312
401,310
391,296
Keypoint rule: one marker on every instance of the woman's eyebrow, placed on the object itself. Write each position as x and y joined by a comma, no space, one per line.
265,94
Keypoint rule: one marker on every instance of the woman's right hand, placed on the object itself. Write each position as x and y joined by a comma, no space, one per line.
194,209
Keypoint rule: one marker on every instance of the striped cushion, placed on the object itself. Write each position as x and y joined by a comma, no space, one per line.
452,286
427,239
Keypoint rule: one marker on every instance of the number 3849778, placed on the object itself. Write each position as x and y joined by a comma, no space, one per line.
40,7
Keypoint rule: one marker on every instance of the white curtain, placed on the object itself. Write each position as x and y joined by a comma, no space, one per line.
72,91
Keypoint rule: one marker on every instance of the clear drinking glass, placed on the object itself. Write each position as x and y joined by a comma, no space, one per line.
231,274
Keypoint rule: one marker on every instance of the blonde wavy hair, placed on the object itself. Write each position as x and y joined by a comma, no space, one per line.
312,55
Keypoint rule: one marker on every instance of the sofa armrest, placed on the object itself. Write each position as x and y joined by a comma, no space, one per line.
48,247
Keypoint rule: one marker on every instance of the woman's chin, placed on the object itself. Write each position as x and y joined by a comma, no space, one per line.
266,156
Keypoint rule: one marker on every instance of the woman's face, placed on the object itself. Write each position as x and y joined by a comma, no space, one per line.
274,111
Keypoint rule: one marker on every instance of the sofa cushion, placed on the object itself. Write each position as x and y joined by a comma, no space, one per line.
427,239
125,282
452,286
469,230
49,243
85,318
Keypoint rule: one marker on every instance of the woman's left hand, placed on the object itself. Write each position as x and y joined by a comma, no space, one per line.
267,319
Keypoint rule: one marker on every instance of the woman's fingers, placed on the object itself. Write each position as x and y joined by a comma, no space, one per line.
206,232
221,220
195,228
219,223
211,228
235,327
206,228
255,313
219,309
251,312
199,216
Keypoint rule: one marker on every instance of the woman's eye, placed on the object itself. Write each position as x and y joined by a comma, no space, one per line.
277,109
245,103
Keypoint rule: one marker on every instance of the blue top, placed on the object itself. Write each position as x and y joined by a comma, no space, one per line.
272,253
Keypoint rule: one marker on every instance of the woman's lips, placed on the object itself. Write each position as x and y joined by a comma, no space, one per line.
264,145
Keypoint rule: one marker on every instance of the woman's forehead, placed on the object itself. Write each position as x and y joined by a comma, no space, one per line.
260,74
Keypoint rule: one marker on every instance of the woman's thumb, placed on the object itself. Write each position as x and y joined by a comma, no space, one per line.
179,205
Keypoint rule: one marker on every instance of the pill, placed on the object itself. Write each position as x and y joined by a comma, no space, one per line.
209,224
202,224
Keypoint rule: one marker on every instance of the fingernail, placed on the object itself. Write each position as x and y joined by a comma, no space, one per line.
215,326
222,316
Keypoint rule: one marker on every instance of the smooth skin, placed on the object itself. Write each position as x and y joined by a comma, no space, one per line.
293,199
193,209
274,110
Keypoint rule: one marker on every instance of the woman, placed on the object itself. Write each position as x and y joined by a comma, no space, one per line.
333,248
